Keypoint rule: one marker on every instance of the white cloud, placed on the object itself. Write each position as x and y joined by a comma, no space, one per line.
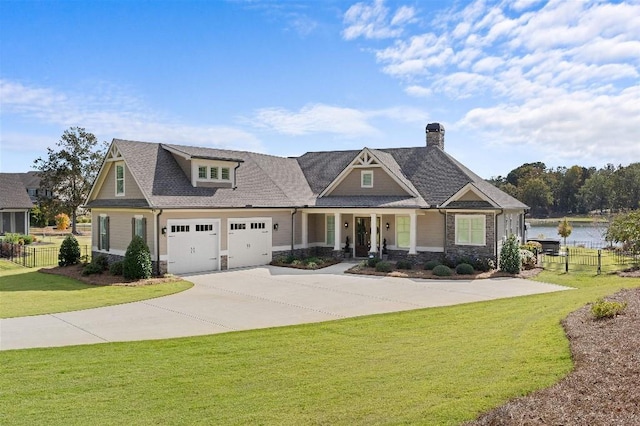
328,119
418,91
372,21
108,113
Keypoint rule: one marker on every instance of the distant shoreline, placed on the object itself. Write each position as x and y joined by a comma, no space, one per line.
552,221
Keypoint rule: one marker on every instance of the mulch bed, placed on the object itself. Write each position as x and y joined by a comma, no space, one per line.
327,262
603,389
425,274
75,272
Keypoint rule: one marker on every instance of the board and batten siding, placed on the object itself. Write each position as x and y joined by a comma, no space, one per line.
383,184
108,189
120,229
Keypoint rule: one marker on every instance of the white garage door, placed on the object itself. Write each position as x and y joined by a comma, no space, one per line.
193,245
249,242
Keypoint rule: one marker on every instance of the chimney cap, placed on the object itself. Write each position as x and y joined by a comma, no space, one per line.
435,127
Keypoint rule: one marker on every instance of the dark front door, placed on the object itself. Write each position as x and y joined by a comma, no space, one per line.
363,239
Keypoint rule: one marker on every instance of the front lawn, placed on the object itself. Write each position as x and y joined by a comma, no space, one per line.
430,366
29,292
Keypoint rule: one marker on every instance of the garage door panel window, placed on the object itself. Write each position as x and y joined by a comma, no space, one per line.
180,228
470,230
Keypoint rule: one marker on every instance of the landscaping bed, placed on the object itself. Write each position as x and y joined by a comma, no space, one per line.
305,263
361,269
604,387
105,278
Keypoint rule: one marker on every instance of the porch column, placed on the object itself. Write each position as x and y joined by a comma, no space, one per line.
305,229
337,237
413,231
374,234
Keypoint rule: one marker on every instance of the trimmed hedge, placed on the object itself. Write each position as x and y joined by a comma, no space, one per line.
431,264
383,267
464,269
442,271
137,260
404,264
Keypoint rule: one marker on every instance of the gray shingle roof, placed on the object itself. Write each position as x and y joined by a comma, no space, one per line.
270,181
13,193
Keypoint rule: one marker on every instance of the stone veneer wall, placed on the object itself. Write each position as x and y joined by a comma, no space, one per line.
419,258
488,250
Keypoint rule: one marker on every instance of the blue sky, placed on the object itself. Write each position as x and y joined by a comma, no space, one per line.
512,81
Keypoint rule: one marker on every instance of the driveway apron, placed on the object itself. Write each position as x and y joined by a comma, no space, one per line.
254,298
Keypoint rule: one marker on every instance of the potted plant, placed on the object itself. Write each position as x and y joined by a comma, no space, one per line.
347,249
385,255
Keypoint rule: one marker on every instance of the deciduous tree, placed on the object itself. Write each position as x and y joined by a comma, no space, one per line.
70,170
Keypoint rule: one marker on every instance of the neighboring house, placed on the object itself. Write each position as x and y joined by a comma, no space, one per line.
14,204
31,181
203,209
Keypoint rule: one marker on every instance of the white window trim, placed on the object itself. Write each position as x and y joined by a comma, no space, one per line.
363,173
397,227
120,194
471,217
208,168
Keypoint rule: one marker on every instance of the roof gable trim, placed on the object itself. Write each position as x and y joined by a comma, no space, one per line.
365,159
473,188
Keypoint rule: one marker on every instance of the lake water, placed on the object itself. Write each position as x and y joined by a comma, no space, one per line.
582,233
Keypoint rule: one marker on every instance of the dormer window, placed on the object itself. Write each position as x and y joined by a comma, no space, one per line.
214,173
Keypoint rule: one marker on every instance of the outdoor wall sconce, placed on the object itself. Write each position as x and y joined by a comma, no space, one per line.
346,224
275,226
387,226
164,230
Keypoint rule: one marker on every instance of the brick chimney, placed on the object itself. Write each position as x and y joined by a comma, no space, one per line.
435,135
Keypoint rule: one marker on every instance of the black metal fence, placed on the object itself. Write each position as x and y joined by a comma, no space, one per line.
590,257
35,256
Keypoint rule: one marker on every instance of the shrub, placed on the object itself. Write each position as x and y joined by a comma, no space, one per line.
603,309
373,261
27,239
528,259
533,246
92,268
62,221
102,261
315,260
116,268
431,264
11,238
297,262
483,264
450,261
404,264
69,251
442,271
312,265
289,259
464,269
383,266
137,260
510,256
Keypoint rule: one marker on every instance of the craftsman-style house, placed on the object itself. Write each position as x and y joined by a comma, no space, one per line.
204,209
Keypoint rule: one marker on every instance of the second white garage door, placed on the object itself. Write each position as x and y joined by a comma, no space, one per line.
249,242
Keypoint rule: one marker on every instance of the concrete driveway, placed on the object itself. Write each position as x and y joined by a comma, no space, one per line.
254,298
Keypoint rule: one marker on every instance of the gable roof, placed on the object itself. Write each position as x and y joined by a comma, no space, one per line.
13,193
431,176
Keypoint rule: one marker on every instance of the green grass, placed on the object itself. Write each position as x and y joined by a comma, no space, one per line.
26,292
430,366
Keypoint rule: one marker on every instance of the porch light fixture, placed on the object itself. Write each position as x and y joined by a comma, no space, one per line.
387,226
164,230
346,224
275,226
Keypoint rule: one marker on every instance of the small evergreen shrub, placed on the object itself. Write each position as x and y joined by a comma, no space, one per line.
442,271
603,309
510,261
404,264
91,268
464,269
28,239
383,266
69,251
137,260
116,268
11,238
312,265
450,261
373,261
431,264
315,260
